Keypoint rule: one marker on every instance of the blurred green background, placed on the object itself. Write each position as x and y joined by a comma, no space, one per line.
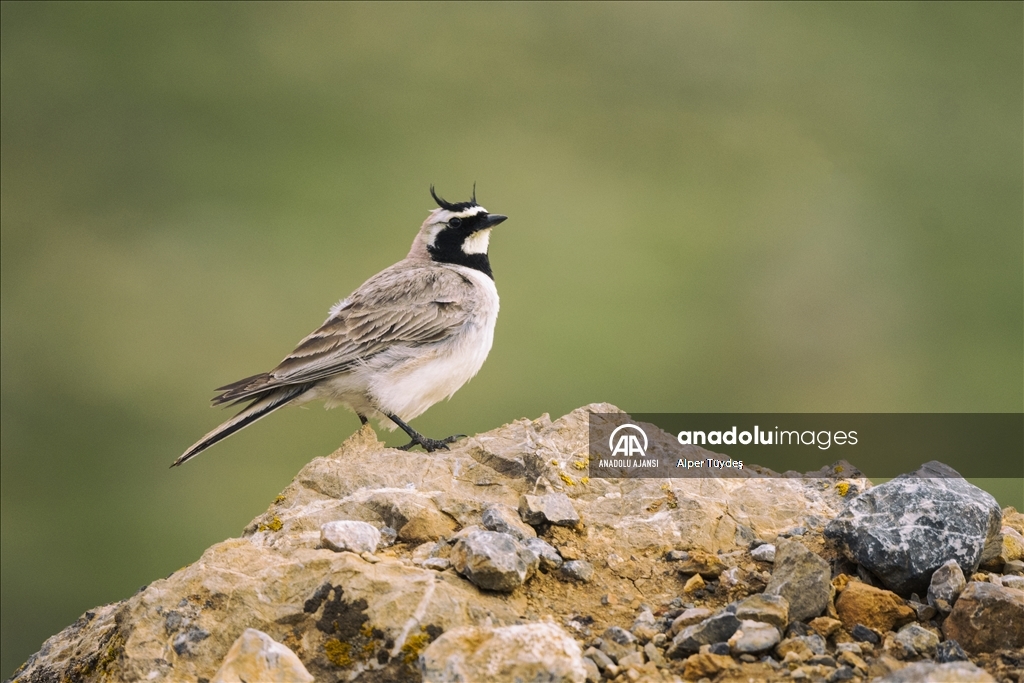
713,207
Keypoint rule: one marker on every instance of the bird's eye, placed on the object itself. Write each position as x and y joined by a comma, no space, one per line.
455,222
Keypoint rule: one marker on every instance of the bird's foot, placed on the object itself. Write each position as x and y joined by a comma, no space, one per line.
431,445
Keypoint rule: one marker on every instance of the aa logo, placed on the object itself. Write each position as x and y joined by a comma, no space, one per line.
628,444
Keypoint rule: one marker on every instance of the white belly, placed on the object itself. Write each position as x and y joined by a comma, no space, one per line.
406,381
409,388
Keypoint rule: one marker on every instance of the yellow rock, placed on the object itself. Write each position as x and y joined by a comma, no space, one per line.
694,583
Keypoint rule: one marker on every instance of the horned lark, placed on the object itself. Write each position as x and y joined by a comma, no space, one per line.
409,337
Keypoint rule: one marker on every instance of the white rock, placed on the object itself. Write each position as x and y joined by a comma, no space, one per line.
357,537
540,651
552,508
255,656
764,553
928,672
753,636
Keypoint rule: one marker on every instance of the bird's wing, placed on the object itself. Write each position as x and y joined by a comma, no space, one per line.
407,306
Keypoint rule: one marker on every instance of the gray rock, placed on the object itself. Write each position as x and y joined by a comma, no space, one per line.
632,661
618,643
388,536
645,626
797,628
716,629
677,556
1014,567
545,552
918,639
950,651
654,655
357,537
924,612
593,673
719,648
770,609
430,549
803,578
1012,581
863,634
753,636
905,529
578,570
927,672
602,660
693,615
946,585
551,508
843,673
493,560
764,553
505,519
540,651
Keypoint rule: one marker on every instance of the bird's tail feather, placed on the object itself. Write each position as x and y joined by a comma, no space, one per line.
259,408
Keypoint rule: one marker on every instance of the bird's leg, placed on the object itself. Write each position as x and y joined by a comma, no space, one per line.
362,418
429,445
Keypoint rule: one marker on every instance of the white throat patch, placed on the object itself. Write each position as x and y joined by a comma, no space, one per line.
477,243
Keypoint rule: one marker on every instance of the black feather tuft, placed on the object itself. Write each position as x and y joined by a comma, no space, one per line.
454,206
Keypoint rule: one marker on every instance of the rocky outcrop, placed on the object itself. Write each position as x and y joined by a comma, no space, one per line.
500,560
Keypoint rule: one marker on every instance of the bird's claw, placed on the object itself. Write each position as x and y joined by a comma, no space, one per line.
431,445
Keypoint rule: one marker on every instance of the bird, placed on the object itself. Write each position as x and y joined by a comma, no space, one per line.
407,338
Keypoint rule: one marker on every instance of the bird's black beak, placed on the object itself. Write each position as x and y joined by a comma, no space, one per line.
493,219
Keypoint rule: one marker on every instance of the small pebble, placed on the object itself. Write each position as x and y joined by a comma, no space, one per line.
580,570
843,673
437,563
351,535
764,553
549,557
797,629
862,633
950,651
1013,581
387,537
